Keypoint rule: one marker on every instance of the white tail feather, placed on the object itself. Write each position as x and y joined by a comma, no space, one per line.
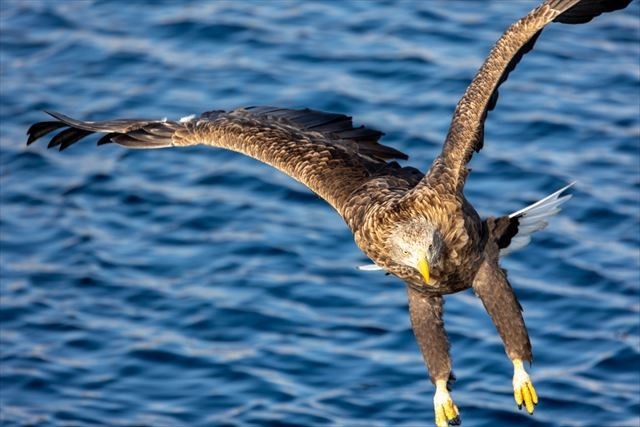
534,218
369,267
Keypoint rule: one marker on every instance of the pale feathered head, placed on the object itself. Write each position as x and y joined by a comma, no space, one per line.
416,244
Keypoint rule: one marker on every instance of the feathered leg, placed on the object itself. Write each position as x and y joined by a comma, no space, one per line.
493,288
428,327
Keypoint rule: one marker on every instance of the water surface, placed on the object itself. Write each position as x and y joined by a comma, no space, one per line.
197,287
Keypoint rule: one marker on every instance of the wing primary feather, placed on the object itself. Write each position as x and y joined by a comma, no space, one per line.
585,10
132,133
71,122
67,137
74,137
38,130
107,139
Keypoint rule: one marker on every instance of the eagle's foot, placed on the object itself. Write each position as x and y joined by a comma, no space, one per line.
446,411
523,390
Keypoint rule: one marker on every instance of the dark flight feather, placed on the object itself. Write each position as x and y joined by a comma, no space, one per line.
67,137
40,129
586,10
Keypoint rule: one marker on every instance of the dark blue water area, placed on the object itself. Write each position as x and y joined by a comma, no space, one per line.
198,287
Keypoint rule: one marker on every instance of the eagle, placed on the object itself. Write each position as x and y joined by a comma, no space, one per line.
416,226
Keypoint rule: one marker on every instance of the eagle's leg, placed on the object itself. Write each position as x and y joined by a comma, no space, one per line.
493,288
428,327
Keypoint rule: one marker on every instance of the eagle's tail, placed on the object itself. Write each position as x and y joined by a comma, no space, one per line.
523,223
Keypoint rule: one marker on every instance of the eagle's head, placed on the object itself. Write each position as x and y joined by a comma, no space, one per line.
416,243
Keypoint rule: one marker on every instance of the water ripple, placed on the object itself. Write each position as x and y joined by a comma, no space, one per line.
197,287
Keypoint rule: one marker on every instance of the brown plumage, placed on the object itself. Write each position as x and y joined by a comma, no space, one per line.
419,228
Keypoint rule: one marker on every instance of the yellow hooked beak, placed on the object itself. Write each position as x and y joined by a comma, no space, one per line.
423,268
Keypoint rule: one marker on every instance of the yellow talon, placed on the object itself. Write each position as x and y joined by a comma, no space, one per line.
450,410
534,396
446,412
523,390
441,419
517,394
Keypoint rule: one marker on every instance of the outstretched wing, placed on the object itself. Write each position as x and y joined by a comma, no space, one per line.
322,150
466,133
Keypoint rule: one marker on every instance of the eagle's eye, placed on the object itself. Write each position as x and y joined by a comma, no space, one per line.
406,252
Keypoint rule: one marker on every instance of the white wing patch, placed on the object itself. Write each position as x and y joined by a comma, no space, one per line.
534,218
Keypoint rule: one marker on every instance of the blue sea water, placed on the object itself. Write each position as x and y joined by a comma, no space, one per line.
197,287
